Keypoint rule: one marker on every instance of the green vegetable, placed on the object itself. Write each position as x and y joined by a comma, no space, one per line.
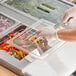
15,55
20,56
43,9
48,6
16,41
13,51
28,42
74,1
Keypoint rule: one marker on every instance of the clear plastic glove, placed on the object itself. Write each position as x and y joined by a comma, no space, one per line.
70,15
47,32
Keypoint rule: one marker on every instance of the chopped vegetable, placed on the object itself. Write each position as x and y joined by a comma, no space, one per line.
11,50
42,9
49,6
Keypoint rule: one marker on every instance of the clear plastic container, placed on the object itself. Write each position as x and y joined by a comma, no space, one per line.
9,49
35,46
17,14
6,23
27,40
39,8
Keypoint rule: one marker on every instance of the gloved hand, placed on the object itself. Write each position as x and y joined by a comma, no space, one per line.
47,32
70,15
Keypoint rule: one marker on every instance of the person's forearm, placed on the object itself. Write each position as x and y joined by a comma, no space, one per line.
67,34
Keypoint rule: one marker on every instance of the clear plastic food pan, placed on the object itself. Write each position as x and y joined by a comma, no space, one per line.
6,23
50,10
29,42
9,49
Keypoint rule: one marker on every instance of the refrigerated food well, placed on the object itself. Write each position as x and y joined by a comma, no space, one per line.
19,23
